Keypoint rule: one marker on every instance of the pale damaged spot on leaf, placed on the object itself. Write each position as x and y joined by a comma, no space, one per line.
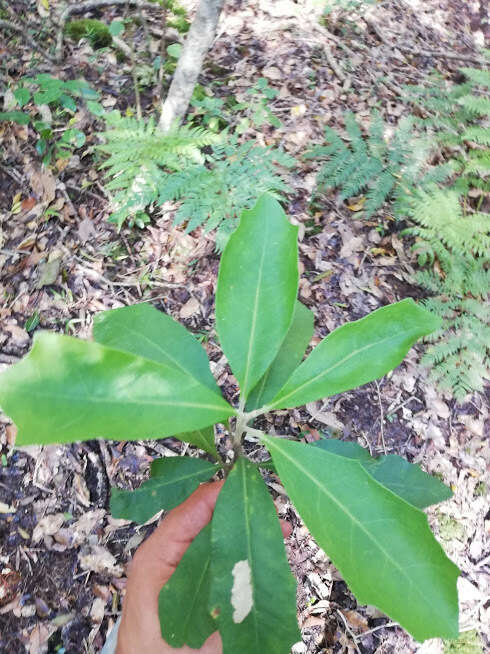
241,593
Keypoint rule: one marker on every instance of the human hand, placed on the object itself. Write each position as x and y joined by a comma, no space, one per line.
151,568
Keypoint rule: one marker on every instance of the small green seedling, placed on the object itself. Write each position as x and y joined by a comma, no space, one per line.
49,105
257,106
145,376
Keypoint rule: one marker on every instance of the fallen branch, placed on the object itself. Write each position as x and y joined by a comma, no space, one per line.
82,7
19,29
333,64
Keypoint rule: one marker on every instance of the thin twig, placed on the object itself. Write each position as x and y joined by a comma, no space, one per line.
333,64
134,75
380,626
349,631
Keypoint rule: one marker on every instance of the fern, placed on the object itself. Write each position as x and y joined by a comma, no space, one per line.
457,118
478,76
439,222
459,353
140,157
476,104
131,142
146,168
215,195
435,172
369,163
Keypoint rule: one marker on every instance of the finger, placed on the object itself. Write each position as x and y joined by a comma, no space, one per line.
156,560
152,566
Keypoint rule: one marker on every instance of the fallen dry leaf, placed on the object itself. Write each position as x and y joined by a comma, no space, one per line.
98,559
9,582
43,183
47,526
190,308
358,205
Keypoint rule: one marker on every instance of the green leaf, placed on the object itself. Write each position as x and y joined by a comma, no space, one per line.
257,287
172,480
253,593
183,601
74,137
173,50
22,95
41,146
116,27
32,322
382,545
52,94
404,479
71,390
68,102
95,108
357,353
142,330
202,438
289,356
18,117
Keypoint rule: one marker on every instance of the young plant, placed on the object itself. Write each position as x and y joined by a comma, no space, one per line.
145,376
51,101
257,106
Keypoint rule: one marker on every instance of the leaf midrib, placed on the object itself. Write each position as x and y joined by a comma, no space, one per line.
346,511
251,342
249,550
313,380
125,401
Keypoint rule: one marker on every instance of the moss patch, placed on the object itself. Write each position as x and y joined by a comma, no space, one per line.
88,28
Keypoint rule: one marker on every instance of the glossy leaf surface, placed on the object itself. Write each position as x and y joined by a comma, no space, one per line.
357,353
172,480
183,601
289,356
256,293
71,390
142,330
382,545
404,479
253,593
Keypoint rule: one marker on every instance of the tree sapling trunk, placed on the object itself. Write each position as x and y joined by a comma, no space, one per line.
197,43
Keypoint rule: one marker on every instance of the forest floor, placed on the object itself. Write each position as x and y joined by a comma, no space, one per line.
66,554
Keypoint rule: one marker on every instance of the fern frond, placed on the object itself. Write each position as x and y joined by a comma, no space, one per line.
479,135
478,163
476,104
477,75
379,192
